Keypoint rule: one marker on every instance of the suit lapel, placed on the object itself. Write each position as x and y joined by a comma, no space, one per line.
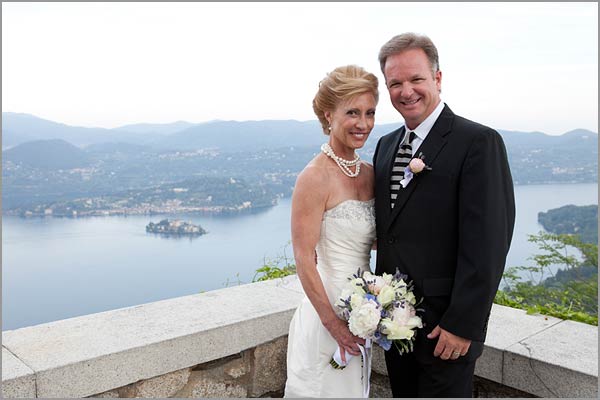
430,148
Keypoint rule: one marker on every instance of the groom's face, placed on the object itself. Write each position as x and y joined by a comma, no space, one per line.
414,88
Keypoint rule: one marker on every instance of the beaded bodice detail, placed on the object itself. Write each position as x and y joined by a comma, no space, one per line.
356,210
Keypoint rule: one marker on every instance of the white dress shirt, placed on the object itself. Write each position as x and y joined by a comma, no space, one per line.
424,127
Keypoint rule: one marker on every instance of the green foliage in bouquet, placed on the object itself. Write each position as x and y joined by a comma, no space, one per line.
571,293
405,346
274,268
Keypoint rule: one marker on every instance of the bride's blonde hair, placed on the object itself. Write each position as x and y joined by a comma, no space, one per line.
340,85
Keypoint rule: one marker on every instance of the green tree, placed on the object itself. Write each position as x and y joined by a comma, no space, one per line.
568,294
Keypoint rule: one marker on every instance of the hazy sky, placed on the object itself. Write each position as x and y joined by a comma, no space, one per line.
513,66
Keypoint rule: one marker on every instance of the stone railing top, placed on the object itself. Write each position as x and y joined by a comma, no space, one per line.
541,355
87,355
18,379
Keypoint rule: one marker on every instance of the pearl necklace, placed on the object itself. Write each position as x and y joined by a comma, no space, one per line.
341,162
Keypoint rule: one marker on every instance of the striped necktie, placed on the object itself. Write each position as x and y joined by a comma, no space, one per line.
402,159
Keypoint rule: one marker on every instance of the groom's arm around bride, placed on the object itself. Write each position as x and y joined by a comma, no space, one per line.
449,228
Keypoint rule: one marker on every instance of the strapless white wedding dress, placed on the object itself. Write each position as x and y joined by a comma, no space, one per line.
347,235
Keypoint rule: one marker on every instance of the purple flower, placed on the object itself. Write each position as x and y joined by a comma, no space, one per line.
399,275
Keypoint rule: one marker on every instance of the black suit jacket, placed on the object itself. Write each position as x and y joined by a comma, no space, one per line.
451,227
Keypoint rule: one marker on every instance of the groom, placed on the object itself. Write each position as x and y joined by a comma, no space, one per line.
448,227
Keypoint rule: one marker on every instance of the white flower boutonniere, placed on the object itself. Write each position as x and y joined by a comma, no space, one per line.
414,167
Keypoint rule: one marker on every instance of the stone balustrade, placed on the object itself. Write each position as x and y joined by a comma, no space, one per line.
232,343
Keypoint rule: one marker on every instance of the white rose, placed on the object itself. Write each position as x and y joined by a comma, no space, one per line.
357,286
364,319
401,315
400,284
346,292
394,331
410,297
368,275
356,300
415,322
402,290
406,315
387,278
386,296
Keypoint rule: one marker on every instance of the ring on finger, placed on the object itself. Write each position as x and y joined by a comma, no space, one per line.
456,353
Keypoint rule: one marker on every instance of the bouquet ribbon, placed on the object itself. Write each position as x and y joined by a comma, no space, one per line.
366,352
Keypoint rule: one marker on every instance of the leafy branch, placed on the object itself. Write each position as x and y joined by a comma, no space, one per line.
570,293
277,267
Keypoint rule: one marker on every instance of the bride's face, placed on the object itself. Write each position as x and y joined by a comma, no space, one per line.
352,121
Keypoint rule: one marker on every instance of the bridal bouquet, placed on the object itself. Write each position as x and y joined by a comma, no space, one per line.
381,309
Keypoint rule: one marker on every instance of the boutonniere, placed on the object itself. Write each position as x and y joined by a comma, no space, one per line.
414,167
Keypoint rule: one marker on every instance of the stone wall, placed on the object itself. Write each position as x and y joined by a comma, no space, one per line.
232,343
260,372
257,372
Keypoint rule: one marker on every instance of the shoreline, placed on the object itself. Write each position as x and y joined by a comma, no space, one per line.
206,211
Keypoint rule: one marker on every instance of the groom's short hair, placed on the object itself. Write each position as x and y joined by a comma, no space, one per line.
406,41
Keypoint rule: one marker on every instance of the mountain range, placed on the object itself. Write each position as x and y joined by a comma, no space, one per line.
229,135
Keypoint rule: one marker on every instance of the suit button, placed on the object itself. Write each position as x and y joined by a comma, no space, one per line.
391,240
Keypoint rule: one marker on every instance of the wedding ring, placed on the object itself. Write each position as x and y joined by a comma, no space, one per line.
456,353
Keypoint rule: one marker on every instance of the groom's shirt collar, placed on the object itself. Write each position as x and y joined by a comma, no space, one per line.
424,127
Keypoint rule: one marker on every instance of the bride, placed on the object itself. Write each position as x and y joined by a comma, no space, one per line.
332,212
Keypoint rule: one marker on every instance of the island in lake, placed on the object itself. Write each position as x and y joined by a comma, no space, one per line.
571,219
175,227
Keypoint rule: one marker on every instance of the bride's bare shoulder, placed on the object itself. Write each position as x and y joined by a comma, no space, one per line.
314,178
315,172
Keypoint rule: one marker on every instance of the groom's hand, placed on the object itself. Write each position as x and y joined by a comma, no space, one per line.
449,346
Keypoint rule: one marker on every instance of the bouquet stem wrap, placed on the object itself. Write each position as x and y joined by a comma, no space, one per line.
366,353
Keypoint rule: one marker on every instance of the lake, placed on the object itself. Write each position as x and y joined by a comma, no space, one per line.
55,268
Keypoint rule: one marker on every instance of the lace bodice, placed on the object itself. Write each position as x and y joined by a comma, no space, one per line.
353,210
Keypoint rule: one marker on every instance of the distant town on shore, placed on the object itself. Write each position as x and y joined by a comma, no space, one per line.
219,167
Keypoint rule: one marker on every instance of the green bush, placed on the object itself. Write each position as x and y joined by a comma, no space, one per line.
571,293
277,267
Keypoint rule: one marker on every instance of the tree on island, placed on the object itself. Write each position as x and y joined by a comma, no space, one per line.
175,227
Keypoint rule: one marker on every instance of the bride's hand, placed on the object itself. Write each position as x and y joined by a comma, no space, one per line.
338,328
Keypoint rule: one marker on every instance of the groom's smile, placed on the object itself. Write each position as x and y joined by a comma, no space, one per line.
410,102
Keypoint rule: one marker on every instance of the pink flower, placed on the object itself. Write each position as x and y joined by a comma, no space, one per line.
416,165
